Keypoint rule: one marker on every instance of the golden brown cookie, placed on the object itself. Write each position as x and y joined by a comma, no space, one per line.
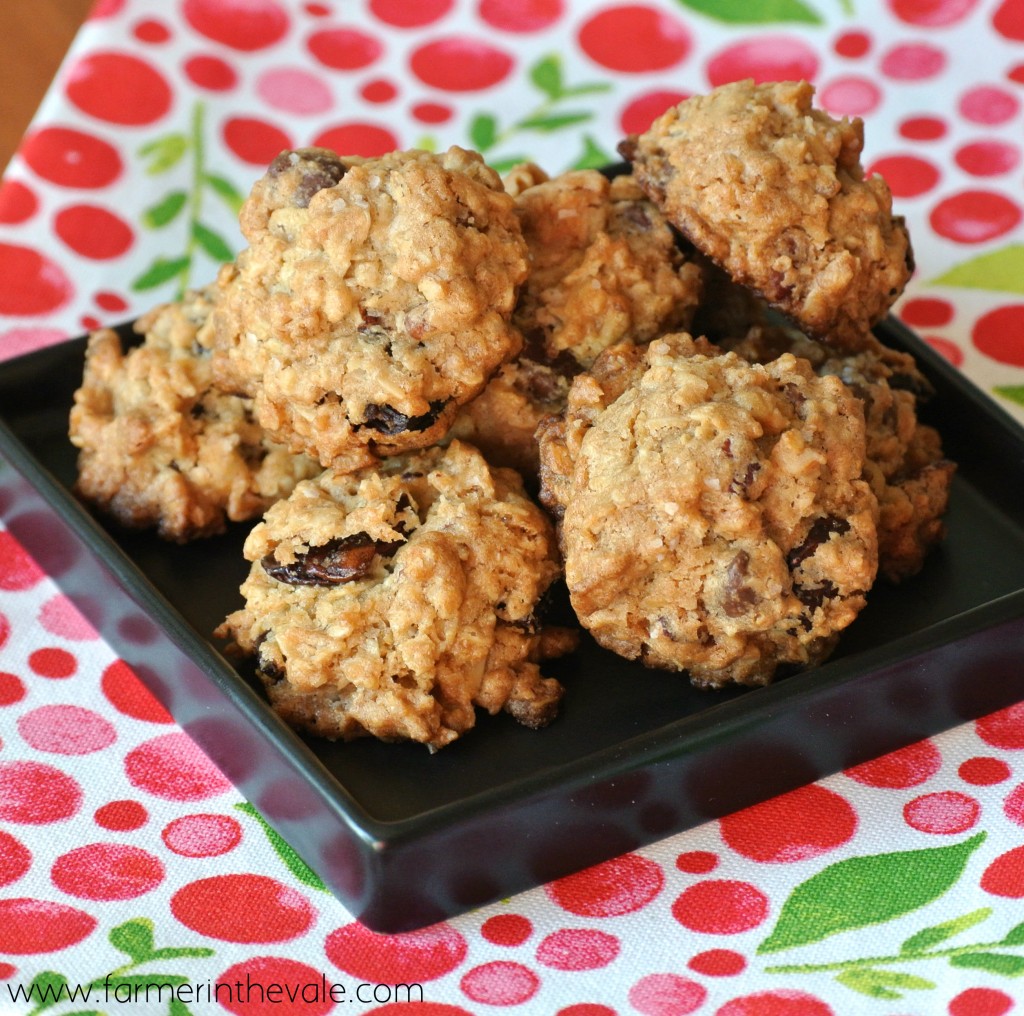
395,600
367,310
604,268
159,445
904,462
713,518
772,190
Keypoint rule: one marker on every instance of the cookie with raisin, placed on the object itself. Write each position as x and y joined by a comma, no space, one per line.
375,297
604,268
159,444
773,191
712,512
904,460
397,600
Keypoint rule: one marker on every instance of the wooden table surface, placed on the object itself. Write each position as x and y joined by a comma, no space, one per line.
36,35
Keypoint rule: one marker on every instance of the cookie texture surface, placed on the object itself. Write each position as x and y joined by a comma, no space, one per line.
373,300
396,600
713,518
604,268
159,445
773,191
904,461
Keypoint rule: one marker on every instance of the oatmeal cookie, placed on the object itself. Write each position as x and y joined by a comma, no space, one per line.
395,600
712,513
604,268
367,310
904,462
159,445
502,420
773,191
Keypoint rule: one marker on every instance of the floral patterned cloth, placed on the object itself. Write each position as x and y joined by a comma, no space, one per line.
129,863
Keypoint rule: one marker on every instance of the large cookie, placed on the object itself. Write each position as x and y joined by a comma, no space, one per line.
772,190
395,600
373,300
159,445
713,518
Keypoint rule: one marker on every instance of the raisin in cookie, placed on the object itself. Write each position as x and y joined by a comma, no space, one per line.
713,515
373,299
604,268
395,600
773,191
159,445
287,187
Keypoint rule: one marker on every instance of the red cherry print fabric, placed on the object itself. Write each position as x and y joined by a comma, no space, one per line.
246,25
40,926
245,908
620,886
416,955
107,871
801,824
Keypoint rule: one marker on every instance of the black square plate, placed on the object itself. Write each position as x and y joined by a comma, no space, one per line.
405,838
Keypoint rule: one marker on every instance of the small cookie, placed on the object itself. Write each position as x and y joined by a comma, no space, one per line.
604,268
773,191
159,445
713,515
365,312
502,420
395,600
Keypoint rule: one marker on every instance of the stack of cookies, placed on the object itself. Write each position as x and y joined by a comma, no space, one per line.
678,361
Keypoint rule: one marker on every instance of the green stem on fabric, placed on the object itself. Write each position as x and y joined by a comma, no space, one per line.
195,198
877,961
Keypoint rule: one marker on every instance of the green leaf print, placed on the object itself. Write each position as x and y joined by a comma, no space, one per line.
928,937
861,891
749,12
48,986
1015,393
483,131
994,963
179,952
213,243
548,77
135,938
225,190
1015,936
1001,271
593,155
160,271
164,153
546,74
165,210
553,121
295,864
882,983
184,202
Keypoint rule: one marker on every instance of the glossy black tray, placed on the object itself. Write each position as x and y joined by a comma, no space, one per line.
404,837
